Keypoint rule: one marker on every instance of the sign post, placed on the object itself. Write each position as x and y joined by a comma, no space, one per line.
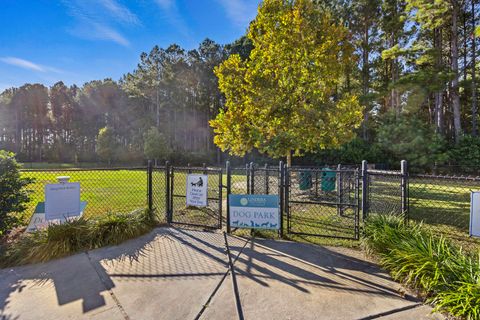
197,190
254,211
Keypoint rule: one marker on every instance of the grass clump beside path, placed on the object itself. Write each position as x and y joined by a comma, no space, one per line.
60,240
445,274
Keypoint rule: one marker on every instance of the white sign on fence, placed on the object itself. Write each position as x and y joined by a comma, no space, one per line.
197,190
475,214
62,200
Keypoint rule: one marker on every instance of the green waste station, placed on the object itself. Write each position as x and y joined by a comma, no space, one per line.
329,178
305,180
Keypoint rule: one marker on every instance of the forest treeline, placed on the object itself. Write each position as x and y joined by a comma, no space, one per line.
415,74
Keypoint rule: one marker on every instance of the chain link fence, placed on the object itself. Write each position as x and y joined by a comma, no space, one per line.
315,200
104,190
442,202
384,190
264,179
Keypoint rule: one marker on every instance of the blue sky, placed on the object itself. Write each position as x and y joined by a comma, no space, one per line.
44,41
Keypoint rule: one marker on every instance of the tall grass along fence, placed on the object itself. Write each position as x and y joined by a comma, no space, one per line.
443,272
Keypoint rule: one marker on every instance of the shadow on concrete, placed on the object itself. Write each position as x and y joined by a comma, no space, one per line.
279,255
391,312
309,258
72,278
169,254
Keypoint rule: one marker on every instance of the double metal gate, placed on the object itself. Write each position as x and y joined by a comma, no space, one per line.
316,201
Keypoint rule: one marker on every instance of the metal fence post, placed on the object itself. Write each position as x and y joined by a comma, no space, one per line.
252,178
220,200
357,204
167,192
339,190
364,189
149,185
172,181
229,181
266,179
281,173
404,185
247,173
286,194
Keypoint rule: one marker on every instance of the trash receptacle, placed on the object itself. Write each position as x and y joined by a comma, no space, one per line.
329,178
305,178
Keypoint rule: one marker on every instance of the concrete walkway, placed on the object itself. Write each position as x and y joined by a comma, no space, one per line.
183,274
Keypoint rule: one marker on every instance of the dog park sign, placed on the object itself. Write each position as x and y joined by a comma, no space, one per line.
254,211
197,190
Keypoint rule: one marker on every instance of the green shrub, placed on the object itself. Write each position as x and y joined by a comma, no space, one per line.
59,240
463,300
13,194
423,261
382,232
430,263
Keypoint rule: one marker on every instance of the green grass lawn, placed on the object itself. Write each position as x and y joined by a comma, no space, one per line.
104,190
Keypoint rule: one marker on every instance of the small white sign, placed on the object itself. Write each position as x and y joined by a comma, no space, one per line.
475,214
197,190
62,200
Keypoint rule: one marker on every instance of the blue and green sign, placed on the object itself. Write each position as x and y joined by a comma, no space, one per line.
254,211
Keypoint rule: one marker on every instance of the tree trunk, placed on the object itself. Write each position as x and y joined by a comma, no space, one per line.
465,48
157,106
455,96
474,85
365,80
439,119
289,158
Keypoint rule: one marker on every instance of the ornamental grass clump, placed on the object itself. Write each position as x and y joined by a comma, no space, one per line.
60,240
448,276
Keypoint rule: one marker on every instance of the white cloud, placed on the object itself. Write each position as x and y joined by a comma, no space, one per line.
100,19
120,12
241,12
106,33
173,16
29,65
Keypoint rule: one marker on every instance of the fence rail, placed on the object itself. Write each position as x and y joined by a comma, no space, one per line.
439,201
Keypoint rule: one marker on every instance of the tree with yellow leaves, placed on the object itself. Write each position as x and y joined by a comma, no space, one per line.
286,98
